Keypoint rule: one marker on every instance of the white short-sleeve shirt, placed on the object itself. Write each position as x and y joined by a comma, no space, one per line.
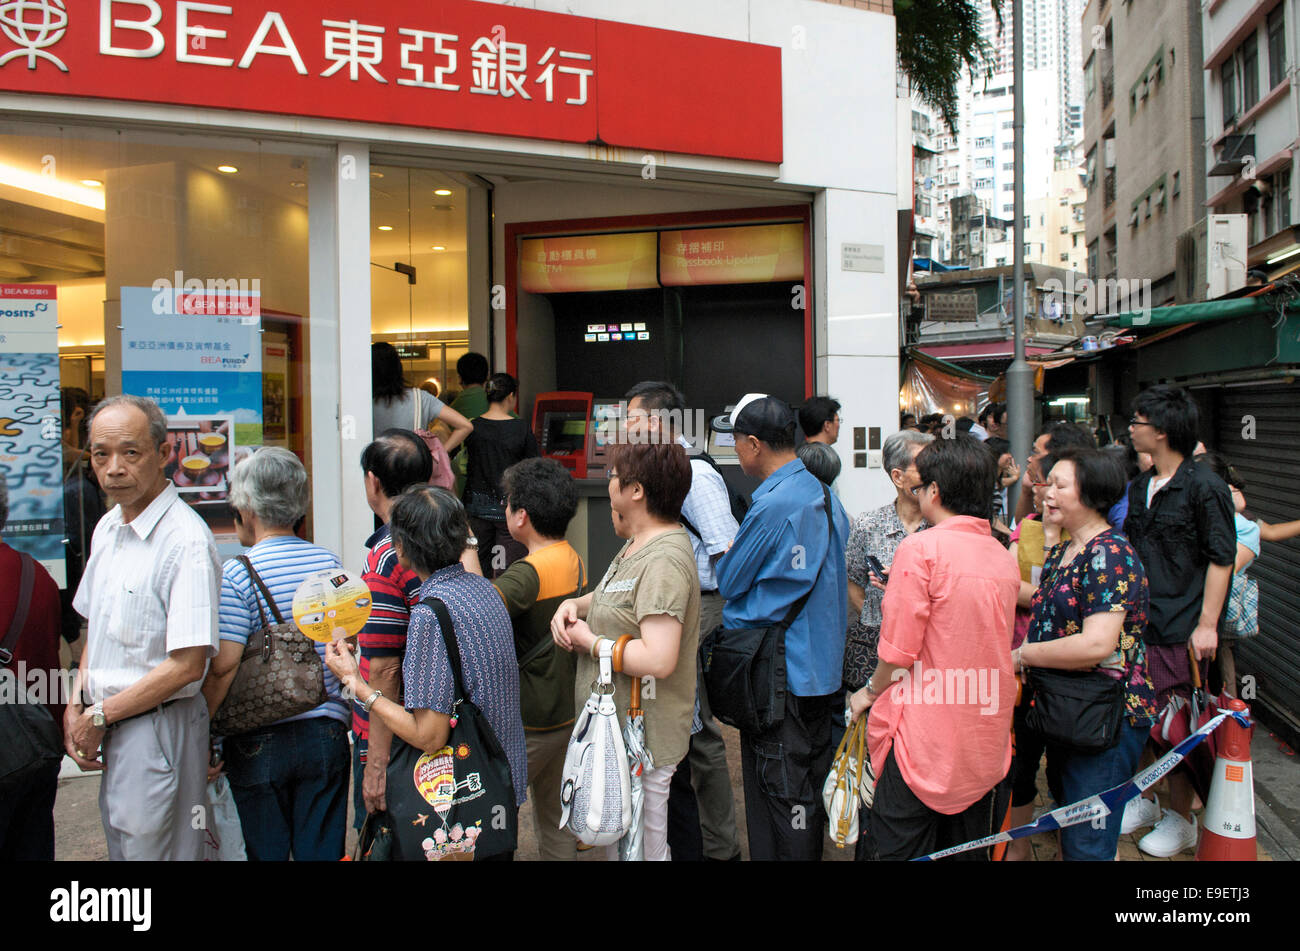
152,586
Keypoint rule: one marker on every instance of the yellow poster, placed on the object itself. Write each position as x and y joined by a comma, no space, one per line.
594,262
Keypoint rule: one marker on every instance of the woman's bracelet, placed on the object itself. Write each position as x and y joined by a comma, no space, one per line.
595,647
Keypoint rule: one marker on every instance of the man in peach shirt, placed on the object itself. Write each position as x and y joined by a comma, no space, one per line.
942,696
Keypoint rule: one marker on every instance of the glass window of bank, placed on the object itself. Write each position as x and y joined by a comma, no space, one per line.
177,267
419,277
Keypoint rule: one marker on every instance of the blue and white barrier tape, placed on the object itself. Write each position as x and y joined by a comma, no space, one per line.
1103,803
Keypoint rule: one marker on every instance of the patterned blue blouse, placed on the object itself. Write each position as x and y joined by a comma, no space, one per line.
487,653
1105,576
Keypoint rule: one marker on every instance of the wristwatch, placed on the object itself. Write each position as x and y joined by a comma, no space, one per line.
97,719
370,701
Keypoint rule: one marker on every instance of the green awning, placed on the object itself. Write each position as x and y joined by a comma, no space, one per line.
1202,310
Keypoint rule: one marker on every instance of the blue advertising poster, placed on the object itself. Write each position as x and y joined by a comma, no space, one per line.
31,454
198,353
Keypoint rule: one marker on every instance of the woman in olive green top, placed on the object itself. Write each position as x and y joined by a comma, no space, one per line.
651,592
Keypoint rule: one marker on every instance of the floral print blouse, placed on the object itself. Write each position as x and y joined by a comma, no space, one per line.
1105,576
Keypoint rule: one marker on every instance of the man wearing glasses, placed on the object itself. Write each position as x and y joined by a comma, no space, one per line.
1180,522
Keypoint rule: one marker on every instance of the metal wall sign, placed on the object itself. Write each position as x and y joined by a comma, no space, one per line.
951,306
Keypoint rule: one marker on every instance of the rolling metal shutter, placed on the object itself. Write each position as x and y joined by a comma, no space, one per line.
1270,464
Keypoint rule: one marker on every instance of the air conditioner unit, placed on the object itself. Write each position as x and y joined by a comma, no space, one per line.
1226,249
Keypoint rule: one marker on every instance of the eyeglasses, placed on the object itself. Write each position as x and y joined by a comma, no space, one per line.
610,474
1134,421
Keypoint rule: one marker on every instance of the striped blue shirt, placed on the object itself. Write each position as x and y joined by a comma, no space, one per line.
282,563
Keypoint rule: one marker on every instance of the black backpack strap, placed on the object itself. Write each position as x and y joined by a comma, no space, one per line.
453,648
686,524
260,586
830,540
26,583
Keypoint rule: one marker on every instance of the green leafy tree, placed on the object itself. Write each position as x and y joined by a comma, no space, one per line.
937,39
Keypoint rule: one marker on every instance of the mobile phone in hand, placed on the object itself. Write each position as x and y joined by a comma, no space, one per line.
877,569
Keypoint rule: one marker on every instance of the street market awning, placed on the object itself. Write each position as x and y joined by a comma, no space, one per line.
1200,311
988,350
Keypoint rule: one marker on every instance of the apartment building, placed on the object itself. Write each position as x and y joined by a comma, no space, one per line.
1144,132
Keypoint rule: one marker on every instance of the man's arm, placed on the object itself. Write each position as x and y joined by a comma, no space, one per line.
738,569
182,666
1216,530
385,676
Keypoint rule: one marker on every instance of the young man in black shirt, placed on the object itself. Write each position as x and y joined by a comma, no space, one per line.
1180,522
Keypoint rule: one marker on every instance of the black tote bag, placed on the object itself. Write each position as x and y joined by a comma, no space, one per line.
456,804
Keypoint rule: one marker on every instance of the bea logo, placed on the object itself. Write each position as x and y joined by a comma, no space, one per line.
34,25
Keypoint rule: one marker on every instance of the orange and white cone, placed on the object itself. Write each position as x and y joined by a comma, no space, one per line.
1228,825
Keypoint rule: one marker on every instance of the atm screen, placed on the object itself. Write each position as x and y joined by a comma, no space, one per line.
564,433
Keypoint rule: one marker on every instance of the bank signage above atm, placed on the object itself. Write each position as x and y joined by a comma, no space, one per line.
457,65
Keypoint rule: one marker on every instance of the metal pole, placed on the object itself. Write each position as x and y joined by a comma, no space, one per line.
1020,377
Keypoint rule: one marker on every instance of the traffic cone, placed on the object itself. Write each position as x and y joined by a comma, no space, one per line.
1228,825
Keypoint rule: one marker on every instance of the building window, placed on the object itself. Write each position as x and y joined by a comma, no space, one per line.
1228,89
1250,71
1008,166
1064,256
1027,222
1092,169
1177,187
983,183
1011,144
1028,250
985,162
1282,191
923,207
1008,186
1276,46
1090,77
1093,259
984,142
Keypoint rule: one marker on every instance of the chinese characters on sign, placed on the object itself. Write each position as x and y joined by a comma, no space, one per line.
457,64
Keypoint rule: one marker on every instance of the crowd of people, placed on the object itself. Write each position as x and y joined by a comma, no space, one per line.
948,617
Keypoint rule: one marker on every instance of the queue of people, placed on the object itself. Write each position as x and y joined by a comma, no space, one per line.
864,608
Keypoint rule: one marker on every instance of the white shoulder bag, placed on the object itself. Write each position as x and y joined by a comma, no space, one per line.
595,793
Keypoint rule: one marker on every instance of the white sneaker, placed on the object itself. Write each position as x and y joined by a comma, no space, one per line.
1172,834
1138,813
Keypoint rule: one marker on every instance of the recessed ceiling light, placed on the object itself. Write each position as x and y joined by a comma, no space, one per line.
92,183
297,184
227,169
442,191
376,174
385,227
439,247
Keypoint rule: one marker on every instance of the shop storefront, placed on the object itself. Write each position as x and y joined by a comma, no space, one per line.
223,205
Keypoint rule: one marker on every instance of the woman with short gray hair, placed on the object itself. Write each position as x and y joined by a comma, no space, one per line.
290,779
879,533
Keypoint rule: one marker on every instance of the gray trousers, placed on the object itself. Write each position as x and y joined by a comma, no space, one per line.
153,795
546,751
708,758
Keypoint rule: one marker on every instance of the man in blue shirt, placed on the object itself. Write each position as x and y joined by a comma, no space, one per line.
780,553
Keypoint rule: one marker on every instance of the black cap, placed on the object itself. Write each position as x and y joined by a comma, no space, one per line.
757,414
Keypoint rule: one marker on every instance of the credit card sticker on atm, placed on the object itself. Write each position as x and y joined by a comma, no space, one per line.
643,335
615,336
589,338
602,338
638,326
625,327
595,328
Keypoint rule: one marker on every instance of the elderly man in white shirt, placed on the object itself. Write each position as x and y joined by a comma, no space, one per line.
150,593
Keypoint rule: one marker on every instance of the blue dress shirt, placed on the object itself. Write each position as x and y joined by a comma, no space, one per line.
780,551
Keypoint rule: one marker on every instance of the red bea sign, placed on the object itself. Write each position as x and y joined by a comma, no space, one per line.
455,64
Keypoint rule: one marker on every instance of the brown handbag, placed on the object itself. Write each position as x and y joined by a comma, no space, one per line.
280,674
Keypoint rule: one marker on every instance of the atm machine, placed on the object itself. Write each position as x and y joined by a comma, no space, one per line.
560,423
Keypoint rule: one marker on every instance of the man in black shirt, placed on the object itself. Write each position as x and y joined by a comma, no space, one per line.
1180,522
